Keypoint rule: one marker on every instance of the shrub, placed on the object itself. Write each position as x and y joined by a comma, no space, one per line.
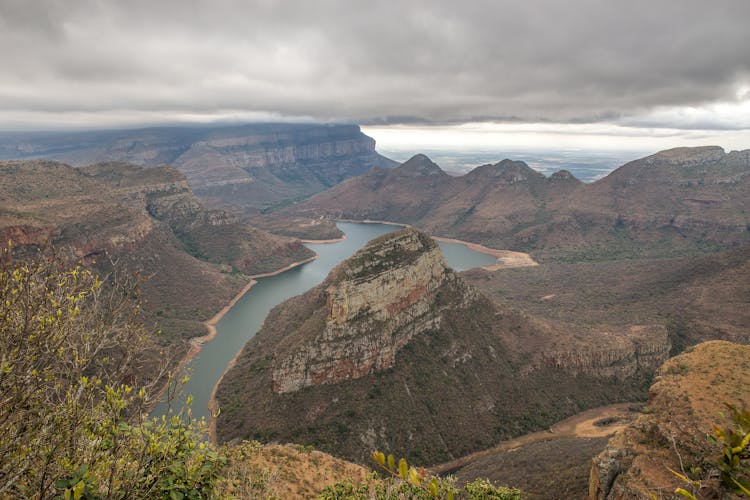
72,397
403,481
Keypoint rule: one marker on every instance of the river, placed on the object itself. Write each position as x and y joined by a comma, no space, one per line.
244,319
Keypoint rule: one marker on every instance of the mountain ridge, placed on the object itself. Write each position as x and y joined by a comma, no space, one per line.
678,201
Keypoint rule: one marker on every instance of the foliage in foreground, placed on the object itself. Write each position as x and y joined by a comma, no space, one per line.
732,468
404,481
73,397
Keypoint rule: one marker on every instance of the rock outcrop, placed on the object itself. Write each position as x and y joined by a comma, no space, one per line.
376,303
622,353
685,403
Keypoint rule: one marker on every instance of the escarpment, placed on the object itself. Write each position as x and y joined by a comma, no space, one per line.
250,166
622,353
396,351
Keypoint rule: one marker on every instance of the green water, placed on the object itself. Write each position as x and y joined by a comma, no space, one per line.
244,319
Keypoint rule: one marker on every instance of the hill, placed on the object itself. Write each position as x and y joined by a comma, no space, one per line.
251,166
143,220
675,202
396,351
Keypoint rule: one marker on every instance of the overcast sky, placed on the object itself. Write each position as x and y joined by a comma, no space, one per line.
600,72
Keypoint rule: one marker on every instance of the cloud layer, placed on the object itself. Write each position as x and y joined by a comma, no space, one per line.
635,63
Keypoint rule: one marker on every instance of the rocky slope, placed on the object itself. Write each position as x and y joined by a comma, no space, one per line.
256,165
684,405
674,202
395,351
147,220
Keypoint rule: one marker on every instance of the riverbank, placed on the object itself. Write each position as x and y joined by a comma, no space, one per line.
334,240
505,259
196,343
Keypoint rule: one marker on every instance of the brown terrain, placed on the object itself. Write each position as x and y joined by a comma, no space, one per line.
676,202
144,221
549,464
685,403
395,351
283,471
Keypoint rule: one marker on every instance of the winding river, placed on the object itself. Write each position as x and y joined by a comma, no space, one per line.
244,319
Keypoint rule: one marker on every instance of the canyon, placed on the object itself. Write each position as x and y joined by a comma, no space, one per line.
396,351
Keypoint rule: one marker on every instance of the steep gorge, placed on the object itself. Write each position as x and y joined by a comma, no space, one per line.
395,351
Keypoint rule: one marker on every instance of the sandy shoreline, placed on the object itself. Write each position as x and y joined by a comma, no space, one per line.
197,342
505,259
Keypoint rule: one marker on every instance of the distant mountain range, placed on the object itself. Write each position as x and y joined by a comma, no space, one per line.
677,201
251,166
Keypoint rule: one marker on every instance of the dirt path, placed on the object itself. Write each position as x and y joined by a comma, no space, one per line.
581,425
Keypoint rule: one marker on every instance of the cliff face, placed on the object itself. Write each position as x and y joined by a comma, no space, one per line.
250,166
620,354
377,302
685,403
395,351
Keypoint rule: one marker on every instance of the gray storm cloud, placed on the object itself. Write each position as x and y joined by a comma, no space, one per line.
371,62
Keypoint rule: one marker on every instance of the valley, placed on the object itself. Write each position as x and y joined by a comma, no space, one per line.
239,321
493,250
484,349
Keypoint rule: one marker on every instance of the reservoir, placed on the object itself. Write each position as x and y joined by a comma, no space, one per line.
243,320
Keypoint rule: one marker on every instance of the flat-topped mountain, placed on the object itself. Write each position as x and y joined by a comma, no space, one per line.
678,201
252,165
396,351
147,220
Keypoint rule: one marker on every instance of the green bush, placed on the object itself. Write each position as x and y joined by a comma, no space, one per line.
72,417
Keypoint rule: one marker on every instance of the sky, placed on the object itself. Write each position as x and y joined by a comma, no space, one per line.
603,74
